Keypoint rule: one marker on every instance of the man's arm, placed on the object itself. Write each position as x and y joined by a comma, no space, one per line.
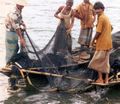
77,14
57,12
94,16
95,38
72,19
22,41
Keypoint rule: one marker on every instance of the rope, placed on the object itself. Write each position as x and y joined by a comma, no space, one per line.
32,45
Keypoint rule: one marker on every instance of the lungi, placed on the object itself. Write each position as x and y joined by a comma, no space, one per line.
85,36
100,61
11,43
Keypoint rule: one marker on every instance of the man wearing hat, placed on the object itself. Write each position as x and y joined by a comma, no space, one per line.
13,25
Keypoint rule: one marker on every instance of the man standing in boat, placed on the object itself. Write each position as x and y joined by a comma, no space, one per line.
85,13
66,14
103,41
13,24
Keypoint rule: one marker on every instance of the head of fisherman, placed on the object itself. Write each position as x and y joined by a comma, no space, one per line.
20,4
98,7
69,4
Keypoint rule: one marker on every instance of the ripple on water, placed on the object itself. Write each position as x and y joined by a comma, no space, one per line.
3,87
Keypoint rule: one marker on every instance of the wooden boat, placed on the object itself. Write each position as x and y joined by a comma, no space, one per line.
39,71
111,83
114,78
80,62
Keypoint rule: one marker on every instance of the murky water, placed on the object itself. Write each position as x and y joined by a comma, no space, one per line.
41,25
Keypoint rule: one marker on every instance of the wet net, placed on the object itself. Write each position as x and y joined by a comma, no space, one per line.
56,60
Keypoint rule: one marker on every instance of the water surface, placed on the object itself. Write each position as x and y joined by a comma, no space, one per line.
41,25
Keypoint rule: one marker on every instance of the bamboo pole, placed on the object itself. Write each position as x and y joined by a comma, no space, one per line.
51,74
22,74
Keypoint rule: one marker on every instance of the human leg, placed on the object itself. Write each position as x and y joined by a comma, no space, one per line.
100,79
106,78
89,36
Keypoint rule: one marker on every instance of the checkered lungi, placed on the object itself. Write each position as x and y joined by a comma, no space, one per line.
11,43
85,36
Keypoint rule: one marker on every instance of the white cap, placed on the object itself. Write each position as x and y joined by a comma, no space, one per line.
21,2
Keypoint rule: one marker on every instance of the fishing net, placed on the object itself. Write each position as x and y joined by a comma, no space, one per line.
56,59
54,53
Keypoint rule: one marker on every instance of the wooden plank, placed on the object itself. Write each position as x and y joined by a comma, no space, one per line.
5,70
99,84
83,61
114,82
51,74
111,83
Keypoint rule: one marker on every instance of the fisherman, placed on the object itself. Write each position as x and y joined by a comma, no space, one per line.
66,13
85,13
14,23
103,41
14,27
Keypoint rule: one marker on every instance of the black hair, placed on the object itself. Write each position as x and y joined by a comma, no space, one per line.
99,5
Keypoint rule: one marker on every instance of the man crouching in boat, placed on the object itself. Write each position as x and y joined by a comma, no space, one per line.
66,14
13,24
103,39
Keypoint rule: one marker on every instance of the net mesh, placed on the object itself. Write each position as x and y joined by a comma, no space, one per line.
53,54
55,58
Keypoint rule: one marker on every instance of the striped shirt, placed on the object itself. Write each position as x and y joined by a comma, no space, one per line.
14,20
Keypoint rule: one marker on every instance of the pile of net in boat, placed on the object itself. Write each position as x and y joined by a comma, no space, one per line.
54,58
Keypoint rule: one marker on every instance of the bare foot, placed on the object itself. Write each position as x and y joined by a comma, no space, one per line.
106,81
99,81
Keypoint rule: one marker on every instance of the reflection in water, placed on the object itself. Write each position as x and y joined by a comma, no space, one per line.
48,98
32,97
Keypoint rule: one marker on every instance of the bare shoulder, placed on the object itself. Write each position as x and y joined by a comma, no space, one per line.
59,10
61,7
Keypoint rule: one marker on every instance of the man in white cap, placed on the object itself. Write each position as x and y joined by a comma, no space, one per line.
13,25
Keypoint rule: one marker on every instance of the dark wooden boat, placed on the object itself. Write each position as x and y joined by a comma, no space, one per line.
79,67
